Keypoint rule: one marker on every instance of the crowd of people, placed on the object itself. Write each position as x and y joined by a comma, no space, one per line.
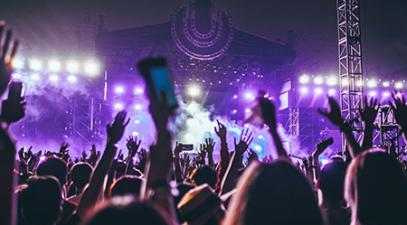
160,185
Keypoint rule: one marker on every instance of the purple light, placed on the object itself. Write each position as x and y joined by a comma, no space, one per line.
304,79
318,91
138,90
304,90
249,96
118,106
138,107
386,94
53,78
119,89
318,80
234,111
331,92
35,77
332,80
16,76
72,79
372,93
235,96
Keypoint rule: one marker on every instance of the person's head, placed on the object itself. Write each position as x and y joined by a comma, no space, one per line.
204,175
80,174
375,189
331,181
53,167
40,200
126,185
127,211
201,206
273,193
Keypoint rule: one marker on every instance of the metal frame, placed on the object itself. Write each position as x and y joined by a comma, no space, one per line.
350,63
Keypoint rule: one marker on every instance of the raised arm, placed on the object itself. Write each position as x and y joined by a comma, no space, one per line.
335,117
268,112
368,115
133,145
399,108
177,166
320,148
232,173
114,134
209,146
221,131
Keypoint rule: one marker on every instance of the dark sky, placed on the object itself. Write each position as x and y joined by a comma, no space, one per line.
384,25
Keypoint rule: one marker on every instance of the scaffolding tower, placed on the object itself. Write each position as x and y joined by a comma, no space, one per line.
350,64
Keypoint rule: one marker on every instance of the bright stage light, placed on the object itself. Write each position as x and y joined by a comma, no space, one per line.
119,90
91,68
372,83
359,83
35,77
235,96
318,91
54,65
72,79
304,79
138,107
249,95
303,90
194,90
234,111
53,77
35,64
372,93
16,76
345,82
118,106
386,83
17,63
398,85
138,90
332,81
331,92
318,80
386,94
72,66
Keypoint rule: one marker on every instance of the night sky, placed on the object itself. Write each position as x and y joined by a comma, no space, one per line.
384,25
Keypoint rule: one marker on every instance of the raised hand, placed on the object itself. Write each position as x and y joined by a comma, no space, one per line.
120,155
333,114
177,149
116,129
142,156
64,151
133,145
209,145
321,146
252,156
202,152
399,108
221,130
245,140
84,156
8,52
12,110
369,113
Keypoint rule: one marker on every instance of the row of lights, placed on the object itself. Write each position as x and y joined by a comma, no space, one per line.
333,91
89,67
333,81
35,77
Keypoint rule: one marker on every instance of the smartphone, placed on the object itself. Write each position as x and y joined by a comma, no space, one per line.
158,80
15,90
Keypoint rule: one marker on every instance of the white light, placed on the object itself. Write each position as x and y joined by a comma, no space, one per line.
331,92
16,76
119,90
318,80
92,68
138,90
359,83
373,93
398,85
318,91
234,111
193,90
72,79
345,82
134,134
54,65
17,63
332,81
386,94
118,106
138,107
72,66
35,64
386,84
304,79
53,78
303,90
35,77
372,83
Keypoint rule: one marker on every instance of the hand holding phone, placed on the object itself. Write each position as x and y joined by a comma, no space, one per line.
13,108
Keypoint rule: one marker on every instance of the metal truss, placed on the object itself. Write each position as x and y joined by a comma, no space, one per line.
350,63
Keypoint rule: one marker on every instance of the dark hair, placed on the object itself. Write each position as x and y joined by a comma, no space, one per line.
125,210
80,174
204,175
375,189
332,179
40,200
53,167
126,185
274,193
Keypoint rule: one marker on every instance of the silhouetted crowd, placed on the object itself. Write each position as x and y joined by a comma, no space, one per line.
163,185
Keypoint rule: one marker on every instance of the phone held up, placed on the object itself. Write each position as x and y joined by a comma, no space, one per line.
157,77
